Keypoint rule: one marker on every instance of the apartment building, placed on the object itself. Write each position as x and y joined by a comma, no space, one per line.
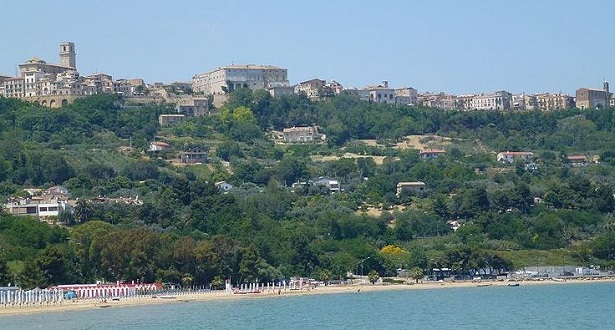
465,102
523,102
231,77
559,101
588,98
438,100
406,96
499,100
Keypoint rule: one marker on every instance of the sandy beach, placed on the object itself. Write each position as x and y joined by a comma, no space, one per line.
184,297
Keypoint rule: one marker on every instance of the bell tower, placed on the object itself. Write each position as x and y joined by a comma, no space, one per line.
67,55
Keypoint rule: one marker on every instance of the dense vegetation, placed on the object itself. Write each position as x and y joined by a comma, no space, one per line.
190,232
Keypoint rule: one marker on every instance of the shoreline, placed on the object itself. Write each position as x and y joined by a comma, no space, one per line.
196,296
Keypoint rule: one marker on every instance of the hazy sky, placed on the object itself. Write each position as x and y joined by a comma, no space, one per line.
456,46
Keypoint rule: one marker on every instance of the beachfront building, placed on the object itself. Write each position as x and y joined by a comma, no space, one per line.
510,156
228,78
588,98
110,290
417,187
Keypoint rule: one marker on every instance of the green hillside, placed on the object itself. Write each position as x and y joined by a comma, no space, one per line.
546,211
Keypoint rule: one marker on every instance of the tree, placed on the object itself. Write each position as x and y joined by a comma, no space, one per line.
57,264
83,211
416,274
373,276
4,272
217,283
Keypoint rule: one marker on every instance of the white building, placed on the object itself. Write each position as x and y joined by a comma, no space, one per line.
231,77
381,93
511,156
331,184
493,101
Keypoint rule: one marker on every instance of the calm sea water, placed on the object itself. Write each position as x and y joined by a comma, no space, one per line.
570,306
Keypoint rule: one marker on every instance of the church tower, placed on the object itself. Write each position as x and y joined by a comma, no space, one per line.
67,55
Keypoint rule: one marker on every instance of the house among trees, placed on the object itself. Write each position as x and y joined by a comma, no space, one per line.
159,146
431,153
168,119
510,156
193,156
331,184
577,161
192,106
223,185
300,134
48,203
310,88
416,187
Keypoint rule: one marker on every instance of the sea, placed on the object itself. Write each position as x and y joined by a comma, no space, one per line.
549,306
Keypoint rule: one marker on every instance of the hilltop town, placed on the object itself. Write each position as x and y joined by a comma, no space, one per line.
55,85
239,176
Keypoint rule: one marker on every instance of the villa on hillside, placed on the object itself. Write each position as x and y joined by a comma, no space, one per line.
168,119
300,134
39,203
331,184
159,146
418,187
194,156
577,161
431,153
510,156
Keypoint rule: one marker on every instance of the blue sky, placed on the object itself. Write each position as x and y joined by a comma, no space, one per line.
453,46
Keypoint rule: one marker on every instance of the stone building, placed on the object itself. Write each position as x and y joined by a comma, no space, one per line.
593,98
231,77
300,134
559,101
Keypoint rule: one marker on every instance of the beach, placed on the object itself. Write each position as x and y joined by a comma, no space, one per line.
192,296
